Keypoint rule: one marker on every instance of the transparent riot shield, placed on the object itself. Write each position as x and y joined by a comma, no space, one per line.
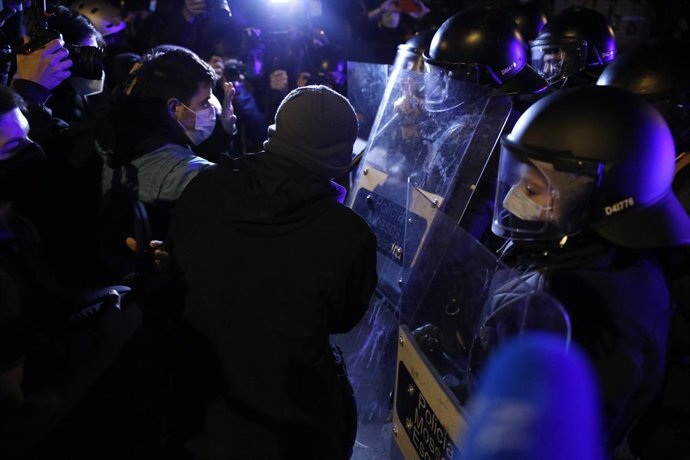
442,149
366,84
440,144
459,303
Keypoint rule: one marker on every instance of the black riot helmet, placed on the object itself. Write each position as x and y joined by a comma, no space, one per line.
575,41
483,45
591,157
529,17
409,56
659,71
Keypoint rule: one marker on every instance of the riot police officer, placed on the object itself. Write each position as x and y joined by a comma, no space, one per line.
480,46
573,47
657,70
483,45
584,195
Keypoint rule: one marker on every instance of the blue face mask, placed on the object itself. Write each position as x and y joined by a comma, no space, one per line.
198,126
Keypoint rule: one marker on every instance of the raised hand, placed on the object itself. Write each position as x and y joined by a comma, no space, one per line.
227,114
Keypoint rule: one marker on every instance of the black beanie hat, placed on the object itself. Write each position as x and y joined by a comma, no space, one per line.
315,127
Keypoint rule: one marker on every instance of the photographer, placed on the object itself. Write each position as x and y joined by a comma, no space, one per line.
53,77
79,97
223,51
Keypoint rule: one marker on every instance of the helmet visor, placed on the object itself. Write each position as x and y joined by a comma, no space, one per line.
556,62
442,86
537,201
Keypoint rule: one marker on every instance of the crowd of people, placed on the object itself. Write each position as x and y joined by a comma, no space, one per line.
175,250
100,141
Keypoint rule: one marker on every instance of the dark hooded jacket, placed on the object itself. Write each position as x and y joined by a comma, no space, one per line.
272,264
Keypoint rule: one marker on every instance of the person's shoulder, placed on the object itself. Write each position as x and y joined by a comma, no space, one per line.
174,155
214,176
174,150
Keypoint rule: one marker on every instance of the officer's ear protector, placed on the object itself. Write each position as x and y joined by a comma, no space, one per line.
87,61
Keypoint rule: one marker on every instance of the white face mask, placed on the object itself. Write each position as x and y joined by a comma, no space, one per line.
521,206
87,87
198,126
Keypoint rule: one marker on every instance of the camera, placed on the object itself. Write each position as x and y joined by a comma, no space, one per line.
39,37
87,61
234,70
40,33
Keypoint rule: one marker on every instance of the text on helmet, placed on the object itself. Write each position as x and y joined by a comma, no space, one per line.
620,206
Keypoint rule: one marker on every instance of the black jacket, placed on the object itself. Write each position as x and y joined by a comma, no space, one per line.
620,308
272,265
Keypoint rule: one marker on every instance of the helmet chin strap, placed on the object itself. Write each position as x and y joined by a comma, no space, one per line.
564,82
